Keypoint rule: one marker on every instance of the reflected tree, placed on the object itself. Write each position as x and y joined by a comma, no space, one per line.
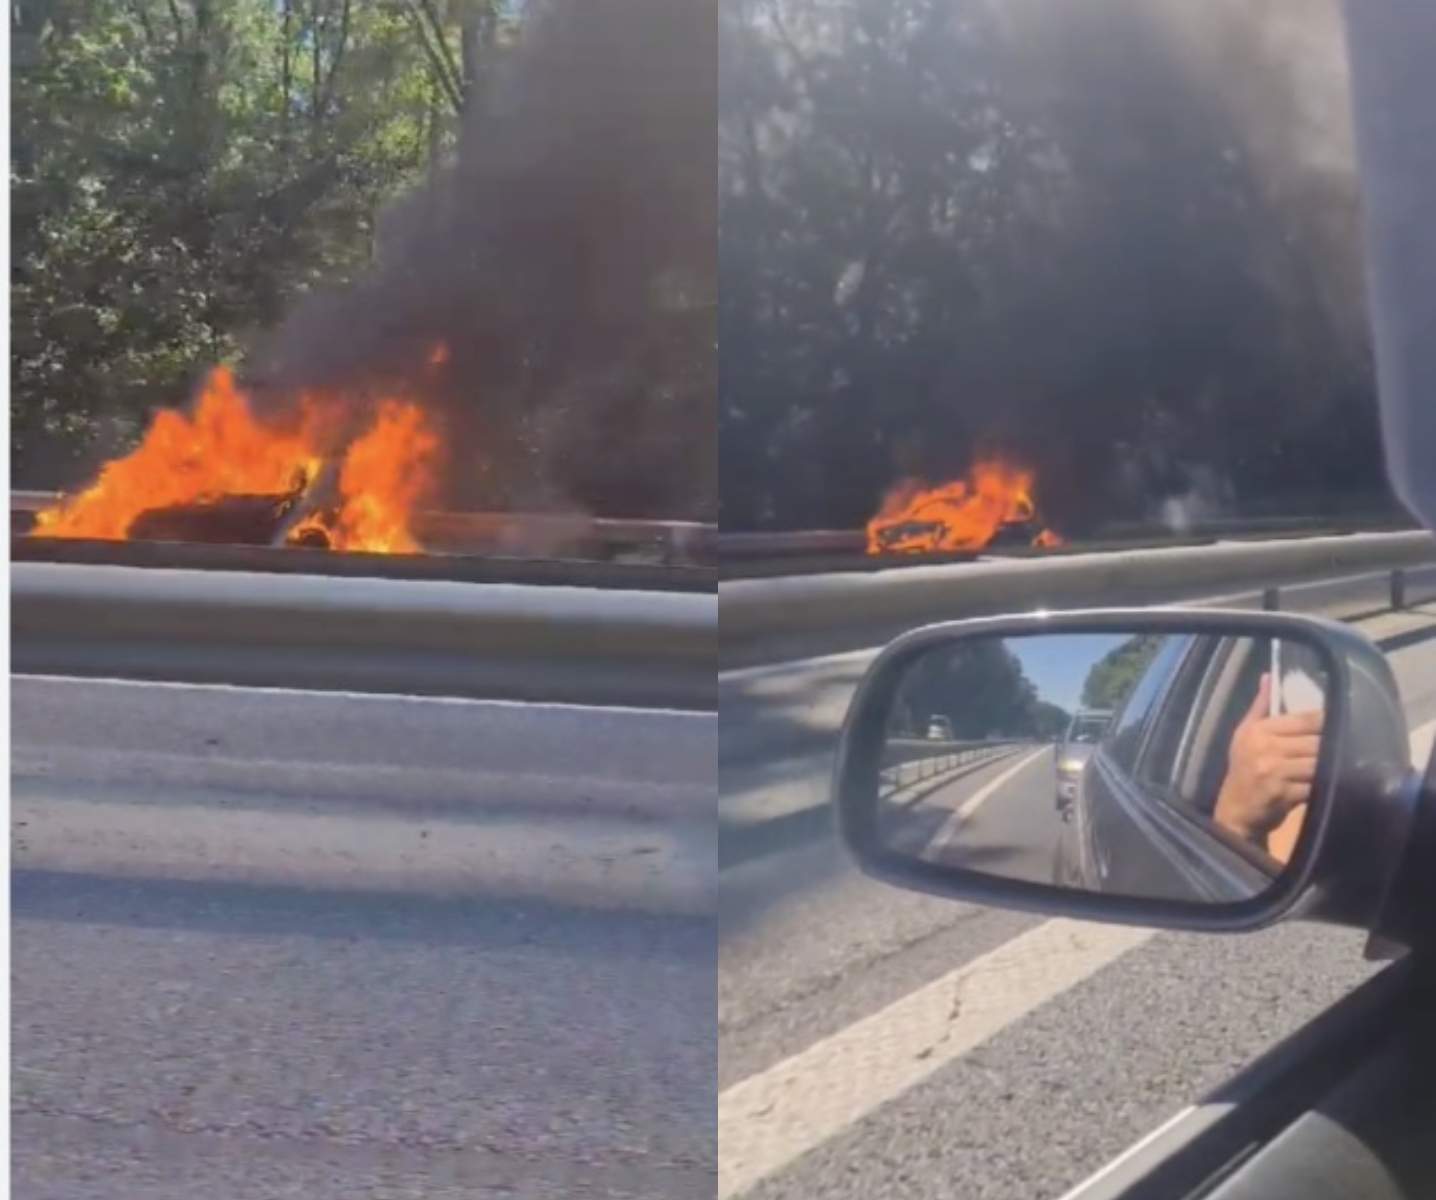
1116,673
980,688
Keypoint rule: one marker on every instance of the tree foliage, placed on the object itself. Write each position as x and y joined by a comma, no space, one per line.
1116,673
981,688
1093,236
182,169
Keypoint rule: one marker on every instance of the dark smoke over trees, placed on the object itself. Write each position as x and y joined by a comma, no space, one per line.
197,181
1116,240
566,261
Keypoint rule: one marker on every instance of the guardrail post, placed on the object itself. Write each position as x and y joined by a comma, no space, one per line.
1271,599
1398,588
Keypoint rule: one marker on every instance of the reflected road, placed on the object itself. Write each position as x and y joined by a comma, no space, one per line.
1000,818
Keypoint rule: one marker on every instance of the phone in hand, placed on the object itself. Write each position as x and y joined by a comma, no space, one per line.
1294,683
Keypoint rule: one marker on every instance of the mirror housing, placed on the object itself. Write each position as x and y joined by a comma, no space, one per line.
1345,859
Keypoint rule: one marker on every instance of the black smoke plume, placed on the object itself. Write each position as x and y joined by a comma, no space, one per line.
567,261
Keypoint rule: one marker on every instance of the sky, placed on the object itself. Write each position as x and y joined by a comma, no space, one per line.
1058,663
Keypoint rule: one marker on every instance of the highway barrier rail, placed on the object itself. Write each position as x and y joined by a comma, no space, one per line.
513,535
636,576
914,761
559,644
615,645
780,619
757,555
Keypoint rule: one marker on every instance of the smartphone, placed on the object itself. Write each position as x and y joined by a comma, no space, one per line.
1295,685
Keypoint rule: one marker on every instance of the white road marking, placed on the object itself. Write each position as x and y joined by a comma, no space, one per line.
770,1119
975,801
947,833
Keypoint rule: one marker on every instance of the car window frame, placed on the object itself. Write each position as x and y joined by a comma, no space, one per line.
1194,669
1109,744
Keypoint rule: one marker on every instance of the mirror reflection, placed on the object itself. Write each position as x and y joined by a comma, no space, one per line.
1153,764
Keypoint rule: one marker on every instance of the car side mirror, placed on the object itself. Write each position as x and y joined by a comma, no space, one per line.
1193,769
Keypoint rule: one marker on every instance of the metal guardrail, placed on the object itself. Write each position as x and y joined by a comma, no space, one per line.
764,553
941,758
775,620
639,575
787,543
575,645
591,645
574,535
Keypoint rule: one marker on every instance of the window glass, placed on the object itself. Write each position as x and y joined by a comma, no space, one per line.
1158,764
1127,730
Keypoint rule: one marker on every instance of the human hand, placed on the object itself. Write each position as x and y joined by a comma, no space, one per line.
1270,767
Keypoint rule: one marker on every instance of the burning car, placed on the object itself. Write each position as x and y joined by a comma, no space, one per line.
994,506
325,474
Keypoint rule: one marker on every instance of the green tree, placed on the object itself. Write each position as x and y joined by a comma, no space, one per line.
1116,673
980,688
1049,720
183,169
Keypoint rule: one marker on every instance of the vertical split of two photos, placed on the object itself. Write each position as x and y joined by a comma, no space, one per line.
740,598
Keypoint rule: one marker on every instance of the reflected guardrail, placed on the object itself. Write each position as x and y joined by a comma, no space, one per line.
917,760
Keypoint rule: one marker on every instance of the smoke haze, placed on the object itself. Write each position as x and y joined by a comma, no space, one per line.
566,261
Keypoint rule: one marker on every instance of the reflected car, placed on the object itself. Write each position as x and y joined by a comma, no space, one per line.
939,729
1083,733
1141,820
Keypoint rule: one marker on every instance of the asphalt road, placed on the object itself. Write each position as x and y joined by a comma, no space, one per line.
877,1043
249,1018
999,817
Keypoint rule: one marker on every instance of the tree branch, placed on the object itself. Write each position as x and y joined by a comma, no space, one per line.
179,22
443,44
436,59
137,7
287,69
339,48
316,78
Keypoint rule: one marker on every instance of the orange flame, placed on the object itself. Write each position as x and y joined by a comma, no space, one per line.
386,473
965,514
221,449
218,449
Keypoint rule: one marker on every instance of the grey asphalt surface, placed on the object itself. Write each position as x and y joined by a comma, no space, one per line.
808,947
1012,831
173,1037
